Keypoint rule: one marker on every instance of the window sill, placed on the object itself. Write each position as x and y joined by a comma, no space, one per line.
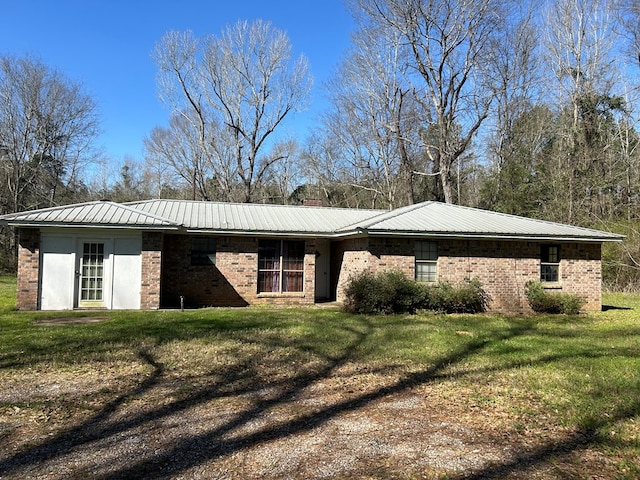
281,294
552,285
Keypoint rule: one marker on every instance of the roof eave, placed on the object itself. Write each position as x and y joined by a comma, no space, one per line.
496,236
257,233
22,224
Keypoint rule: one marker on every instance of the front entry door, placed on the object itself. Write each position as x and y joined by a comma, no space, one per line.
323,264
91,276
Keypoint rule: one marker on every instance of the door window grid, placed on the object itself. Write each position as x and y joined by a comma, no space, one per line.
92,271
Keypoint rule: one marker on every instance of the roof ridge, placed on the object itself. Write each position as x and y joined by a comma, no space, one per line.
387,214
128,207
397,212
241,204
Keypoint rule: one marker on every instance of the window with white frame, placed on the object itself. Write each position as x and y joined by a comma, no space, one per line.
280,266
426,261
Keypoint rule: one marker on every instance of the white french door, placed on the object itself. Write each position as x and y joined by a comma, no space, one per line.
91,275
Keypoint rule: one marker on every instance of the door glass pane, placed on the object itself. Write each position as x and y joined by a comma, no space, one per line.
91,271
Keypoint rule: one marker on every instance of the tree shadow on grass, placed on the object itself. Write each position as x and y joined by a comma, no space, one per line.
230,436
606,308
587,436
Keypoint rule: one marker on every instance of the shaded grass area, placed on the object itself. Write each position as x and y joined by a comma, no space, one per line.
565,390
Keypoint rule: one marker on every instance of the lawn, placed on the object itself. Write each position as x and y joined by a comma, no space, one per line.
316,393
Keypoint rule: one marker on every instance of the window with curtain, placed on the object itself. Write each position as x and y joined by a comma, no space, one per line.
280,266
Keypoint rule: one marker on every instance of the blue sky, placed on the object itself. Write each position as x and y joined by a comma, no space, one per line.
106,46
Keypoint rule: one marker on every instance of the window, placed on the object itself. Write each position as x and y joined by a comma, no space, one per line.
549,263
203,251
280,266
426,261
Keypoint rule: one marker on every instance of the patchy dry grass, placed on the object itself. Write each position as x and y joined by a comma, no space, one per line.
316,393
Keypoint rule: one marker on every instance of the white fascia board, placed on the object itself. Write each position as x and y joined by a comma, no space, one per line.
91,225
257,233
484,236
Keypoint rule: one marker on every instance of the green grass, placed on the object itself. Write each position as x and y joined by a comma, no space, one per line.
579,373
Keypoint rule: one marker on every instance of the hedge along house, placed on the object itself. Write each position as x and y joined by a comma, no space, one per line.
166,253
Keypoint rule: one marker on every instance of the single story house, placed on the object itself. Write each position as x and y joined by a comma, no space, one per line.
166,253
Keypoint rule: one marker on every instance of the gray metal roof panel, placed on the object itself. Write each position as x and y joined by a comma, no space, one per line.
448,219
99,213
254,217
427,219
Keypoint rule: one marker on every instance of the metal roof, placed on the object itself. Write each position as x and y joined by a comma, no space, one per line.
442,219
428,219
254,217
98,214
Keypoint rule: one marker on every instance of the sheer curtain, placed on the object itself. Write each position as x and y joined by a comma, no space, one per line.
281,266
269,266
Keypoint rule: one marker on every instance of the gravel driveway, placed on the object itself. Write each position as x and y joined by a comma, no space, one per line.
350,422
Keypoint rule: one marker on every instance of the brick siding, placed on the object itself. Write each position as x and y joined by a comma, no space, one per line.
152,245
503,267
28,269
232,281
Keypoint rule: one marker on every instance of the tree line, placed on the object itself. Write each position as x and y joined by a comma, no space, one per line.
520,107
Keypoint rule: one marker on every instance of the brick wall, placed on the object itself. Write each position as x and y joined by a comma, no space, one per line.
28,269
392,254
348,258
152,245
232,281
581,272
503,267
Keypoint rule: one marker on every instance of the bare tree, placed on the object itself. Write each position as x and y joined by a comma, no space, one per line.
629,19
372,119
448,43
179,148
514,60
579,40
238,89
47,129
285,176
517,123
580,36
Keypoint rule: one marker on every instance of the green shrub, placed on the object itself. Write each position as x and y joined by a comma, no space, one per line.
465,297
393,292
542,301
388,292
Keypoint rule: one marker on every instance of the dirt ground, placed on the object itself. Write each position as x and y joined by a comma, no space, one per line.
351,421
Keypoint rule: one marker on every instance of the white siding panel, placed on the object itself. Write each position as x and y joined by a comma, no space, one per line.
57,272
127,272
